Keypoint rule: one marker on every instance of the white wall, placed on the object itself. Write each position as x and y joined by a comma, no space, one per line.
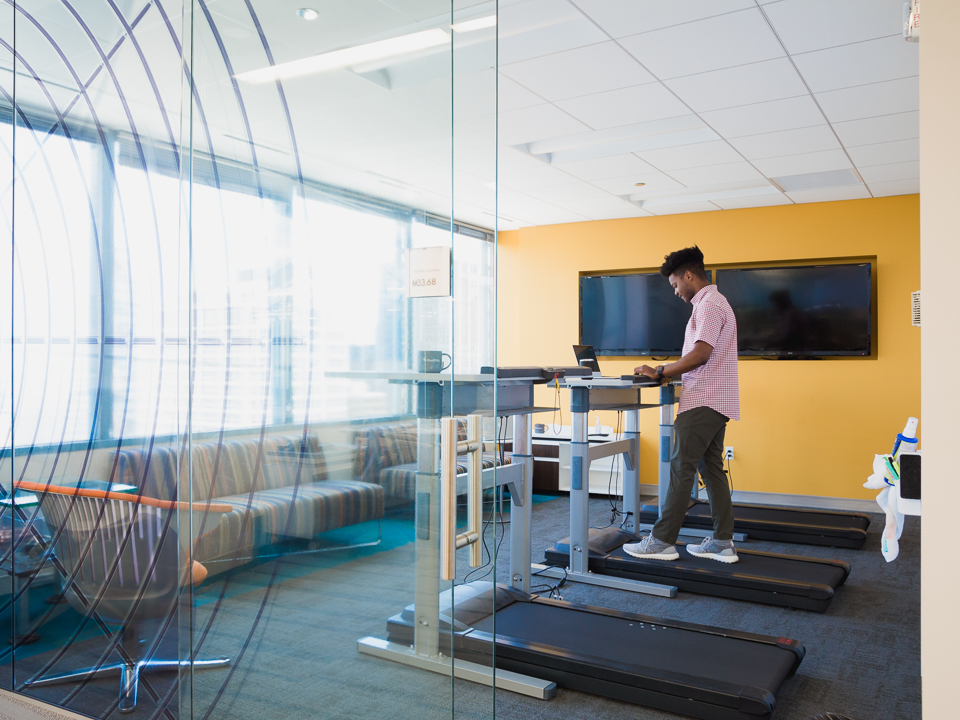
940,349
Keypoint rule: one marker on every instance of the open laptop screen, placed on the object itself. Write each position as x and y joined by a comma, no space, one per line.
586,357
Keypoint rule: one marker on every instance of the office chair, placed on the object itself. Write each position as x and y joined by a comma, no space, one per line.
126,562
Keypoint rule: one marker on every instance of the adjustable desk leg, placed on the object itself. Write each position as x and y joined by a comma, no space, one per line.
667,395
427,595
579,570
631,473
579,491
521,508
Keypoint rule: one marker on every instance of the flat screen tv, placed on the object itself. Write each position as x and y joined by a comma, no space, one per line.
636,314
801,311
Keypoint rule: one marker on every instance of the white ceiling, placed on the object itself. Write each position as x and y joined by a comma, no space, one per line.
703,101
781,88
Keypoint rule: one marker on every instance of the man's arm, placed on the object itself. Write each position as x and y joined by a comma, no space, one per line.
691,361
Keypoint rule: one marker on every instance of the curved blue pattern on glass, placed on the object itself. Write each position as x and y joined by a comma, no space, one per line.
189,280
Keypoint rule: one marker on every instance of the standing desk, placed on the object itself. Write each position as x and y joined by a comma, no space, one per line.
592,394
443,395
799,582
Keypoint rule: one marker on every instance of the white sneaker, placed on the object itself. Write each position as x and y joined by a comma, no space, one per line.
715,550
651,548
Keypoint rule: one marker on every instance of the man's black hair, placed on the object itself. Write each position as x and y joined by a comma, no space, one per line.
677,263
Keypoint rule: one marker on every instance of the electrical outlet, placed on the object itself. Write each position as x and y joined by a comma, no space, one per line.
728,452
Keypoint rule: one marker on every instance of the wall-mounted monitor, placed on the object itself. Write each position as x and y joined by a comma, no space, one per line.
635,314
806,311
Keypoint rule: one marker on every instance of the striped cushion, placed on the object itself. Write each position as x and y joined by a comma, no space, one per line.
386,446
400,482
228,468
301,511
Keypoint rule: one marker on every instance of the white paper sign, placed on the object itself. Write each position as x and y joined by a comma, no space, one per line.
428,272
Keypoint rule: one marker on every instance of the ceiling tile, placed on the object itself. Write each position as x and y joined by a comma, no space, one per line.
796,112
534,123
562,194
614,166
572,73
716,174
538,27
888,173
512,160
557,216
605,208
885,128
705,45
897,187
517,204
621,18
688,156
858,64
854,192
685,208
513,96
538,176
787,142
753,201
625,106
806,25
884,98
803,163
627,185
886,153
756,83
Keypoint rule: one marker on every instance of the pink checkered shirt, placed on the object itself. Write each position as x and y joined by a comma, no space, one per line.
714,385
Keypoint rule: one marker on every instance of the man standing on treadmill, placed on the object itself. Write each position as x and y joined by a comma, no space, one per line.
710,397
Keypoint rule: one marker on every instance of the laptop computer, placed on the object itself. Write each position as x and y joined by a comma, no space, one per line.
586,357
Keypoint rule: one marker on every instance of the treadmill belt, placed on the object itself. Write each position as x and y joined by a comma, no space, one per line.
757,565
679,667
668,649
784,580
810,527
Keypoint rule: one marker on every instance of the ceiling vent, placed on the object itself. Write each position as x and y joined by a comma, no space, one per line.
915,308
817,180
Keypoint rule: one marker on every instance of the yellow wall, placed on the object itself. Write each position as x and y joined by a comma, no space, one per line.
508,298
808,427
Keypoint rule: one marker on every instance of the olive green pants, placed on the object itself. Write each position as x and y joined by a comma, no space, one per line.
697,445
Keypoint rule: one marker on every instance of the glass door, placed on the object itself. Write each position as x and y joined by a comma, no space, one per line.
337,292
252,257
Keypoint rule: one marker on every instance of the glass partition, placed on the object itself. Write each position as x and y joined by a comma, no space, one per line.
224,387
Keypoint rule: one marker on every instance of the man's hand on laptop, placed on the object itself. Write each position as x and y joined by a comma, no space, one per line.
646,371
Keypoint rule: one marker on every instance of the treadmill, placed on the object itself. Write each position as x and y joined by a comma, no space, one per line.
784,580
791,525
826,528
695,670
534,643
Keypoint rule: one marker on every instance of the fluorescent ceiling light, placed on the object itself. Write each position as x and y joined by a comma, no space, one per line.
818,180
652,135
624,132
476,24
705,196
349,56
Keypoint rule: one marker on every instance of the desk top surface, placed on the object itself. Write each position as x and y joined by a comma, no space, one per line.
441,377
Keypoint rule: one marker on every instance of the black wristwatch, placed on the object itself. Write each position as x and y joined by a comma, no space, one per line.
660,372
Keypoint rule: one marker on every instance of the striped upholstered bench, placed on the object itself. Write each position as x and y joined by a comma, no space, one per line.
277,487
387,456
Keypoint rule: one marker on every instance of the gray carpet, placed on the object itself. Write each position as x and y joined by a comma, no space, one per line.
863,654
301,661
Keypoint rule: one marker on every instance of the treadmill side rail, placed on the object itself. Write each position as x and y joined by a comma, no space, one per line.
480,674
